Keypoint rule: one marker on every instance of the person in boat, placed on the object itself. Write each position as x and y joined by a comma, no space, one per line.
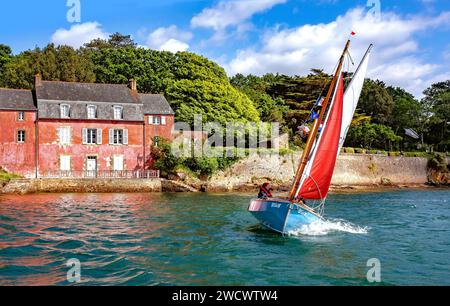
302,201
304,131
264,191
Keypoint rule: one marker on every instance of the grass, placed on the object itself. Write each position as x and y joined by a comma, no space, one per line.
5,177
385,153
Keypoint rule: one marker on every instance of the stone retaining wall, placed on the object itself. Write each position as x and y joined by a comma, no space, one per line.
351,170
82,185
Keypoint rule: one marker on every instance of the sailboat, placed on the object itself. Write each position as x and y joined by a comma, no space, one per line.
325,140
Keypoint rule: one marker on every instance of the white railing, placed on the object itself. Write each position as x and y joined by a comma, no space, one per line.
126,174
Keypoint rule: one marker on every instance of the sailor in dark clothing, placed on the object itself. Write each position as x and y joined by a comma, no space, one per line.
264,191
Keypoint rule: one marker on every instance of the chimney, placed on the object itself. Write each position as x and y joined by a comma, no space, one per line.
132,84
37,80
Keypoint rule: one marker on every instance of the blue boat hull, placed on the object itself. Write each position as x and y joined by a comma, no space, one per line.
281,215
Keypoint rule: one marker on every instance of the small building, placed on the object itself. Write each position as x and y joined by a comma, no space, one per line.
18,131
81,129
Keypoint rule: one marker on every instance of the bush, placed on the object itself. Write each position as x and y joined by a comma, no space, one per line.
438,162
394,154
6,177
204,166
350,150
360,151
370,135
163,158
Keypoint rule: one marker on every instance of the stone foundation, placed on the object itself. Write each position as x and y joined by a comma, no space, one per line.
24,186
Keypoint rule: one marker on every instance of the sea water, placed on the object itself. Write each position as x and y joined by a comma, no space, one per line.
211,239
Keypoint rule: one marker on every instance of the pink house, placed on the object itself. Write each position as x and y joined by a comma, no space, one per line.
81,129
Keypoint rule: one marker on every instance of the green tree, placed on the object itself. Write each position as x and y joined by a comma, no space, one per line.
115,40
376,102
406,111
5,58
436,104
215,101
61,63
270,109
371,135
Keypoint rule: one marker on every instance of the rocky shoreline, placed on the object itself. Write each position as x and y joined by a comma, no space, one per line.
31,186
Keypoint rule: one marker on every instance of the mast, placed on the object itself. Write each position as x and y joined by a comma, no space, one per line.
315,129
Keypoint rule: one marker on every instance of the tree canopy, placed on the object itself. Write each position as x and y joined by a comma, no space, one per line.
192,83
195,85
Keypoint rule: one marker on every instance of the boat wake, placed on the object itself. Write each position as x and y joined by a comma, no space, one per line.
325,227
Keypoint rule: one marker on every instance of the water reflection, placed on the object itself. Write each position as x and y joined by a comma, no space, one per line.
202,239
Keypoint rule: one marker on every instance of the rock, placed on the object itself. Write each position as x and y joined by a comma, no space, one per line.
386,181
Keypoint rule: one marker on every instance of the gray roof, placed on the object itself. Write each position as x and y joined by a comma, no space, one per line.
14,99
78,110
156,104
71,91
50,96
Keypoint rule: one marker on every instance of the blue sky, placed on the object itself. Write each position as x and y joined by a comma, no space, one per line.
412,45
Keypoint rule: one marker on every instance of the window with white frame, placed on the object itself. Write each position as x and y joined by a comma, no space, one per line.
21,116
64,163
118,112
64,135
157,120
118,136
92,136
118,162
21,136
65,110
92,112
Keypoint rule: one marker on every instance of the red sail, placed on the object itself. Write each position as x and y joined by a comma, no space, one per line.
317,184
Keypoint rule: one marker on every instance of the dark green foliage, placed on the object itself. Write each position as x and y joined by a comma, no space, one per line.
60,63
196,85
376,102
406,111
5,58
163,158
438,162
270,109
437,104
372,135
203,166
167,163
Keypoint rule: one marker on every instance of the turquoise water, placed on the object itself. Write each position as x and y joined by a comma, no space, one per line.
203,239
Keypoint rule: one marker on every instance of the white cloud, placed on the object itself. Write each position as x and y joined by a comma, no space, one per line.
169,39
395,57
174,46
231,13
79,34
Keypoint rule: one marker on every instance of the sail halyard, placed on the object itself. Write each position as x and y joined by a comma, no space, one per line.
313,135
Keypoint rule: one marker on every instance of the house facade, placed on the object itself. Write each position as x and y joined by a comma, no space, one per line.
80,129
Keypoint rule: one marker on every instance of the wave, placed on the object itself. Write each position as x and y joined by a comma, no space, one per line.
325,227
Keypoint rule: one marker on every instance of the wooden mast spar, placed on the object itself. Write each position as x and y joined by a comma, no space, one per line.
315,129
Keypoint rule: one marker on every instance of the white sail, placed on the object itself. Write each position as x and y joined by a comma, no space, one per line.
351,96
